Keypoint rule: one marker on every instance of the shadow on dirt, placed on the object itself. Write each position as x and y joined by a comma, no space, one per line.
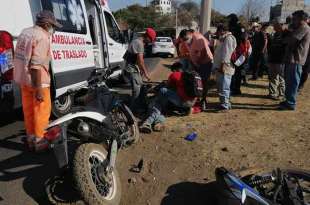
42,180
255,86
248,106
190,193
10,117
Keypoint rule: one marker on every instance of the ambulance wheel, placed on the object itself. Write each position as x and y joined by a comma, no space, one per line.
62,105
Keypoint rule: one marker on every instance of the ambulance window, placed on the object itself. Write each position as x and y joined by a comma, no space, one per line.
113,29
91,22
69,13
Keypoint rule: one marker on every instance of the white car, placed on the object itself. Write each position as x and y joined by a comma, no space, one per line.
163,45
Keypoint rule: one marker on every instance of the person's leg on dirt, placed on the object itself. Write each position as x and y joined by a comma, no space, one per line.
244,73
281,82
236,81
161,101
255,65
136,84
304,76
263,68
155,117
223,82
274,80
205,73
292,80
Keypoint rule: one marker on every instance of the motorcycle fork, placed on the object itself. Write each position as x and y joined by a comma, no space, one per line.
106,168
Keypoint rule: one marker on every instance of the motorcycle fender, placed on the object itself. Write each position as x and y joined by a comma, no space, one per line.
87,114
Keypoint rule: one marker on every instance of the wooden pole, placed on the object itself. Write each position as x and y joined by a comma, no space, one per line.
205,15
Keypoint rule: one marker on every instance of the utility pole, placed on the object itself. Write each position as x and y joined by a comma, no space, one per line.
205,15
176,23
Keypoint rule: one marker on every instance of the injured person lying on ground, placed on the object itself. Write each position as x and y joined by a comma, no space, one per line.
173,95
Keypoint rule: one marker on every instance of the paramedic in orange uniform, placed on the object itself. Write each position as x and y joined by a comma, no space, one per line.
31,72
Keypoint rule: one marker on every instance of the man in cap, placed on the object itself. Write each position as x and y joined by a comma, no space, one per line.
276,51
31,72
135,66
296,54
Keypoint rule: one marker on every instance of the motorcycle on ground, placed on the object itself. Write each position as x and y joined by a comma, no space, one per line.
101,127
279,187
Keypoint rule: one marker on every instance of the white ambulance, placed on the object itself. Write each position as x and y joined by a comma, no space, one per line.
89,39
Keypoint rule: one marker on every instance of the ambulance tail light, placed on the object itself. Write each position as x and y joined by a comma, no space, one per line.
53,133
7,76
6,56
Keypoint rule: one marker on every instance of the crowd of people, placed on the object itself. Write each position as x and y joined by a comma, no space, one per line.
228,53
280,50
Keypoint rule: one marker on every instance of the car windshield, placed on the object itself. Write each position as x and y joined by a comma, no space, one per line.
163,40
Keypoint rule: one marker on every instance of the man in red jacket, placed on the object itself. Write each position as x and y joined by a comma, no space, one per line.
173,93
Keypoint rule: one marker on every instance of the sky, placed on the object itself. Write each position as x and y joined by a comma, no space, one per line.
224,6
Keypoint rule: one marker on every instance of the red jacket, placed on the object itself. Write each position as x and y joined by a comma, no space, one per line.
242,49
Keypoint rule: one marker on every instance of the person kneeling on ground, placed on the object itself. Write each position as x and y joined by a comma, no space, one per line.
173,93
223,65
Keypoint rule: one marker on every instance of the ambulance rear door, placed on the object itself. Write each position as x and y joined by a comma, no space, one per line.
116,44
73,58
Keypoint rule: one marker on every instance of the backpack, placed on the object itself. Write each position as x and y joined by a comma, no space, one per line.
192,84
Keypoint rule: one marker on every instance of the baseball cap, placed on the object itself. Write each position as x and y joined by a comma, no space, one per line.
46,16
151,33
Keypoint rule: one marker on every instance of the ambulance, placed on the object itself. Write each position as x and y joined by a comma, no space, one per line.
90,39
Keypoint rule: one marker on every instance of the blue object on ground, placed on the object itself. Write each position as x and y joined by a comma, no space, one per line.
191,137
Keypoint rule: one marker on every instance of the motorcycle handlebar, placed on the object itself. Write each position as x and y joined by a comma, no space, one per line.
98,76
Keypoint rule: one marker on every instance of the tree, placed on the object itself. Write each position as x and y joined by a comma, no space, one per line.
137,17
188,12
217,18
254,10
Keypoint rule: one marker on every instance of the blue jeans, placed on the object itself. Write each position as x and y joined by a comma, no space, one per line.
185,64
223,85
292,80
165,96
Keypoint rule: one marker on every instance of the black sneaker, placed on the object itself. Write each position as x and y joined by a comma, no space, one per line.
146,128
222,109
236,92
272,97
284,106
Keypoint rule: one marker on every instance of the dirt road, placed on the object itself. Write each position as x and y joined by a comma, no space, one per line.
253,134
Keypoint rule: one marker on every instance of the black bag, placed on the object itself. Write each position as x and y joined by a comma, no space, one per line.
192,84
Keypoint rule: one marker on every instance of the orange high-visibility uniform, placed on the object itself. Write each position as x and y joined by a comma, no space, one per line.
36,114
33,53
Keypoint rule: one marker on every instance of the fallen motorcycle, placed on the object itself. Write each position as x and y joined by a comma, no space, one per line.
279,187
101,127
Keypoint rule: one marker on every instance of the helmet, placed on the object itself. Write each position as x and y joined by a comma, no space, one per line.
151,33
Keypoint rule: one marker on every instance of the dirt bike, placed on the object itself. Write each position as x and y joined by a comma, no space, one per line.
279,187
101,127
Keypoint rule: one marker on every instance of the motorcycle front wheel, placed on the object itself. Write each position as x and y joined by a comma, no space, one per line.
92,189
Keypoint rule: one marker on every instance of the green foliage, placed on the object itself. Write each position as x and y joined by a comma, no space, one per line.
139,17
136,16
217,18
